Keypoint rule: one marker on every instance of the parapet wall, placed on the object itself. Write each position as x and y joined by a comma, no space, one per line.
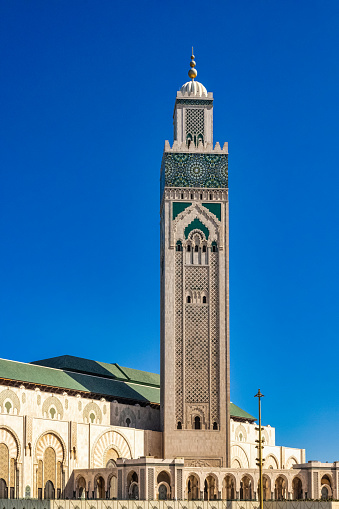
157,504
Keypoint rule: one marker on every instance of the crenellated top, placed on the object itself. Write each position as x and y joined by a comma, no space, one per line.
202,148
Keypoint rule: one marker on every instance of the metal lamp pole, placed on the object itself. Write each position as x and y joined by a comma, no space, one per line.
260,447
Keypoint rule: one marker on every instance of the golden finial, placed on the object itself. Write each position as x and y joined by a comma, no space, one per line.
192,73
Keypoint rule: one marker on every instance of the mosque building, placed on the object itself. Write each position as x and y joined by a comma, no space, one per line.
82,429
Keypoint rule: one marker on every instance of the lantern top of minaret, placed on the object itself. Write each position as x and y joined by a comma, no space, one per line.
193,88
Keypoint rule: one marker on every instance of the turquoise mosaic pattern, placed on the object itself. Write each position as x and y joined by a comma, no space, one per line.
178,207
215,208
194,170
196,224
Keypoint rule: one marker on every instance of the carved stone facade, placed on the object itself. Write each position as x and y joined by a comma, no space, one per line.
194,284
81,429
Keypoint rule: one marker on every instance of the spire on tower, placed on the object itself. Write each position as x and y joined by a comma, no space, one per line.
192,73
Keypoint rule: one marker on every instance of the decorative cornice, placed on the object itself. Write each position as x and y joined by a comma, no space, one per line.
198,102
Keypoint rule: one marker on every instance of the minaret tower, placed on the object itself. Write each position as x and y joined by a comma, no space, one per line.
195,285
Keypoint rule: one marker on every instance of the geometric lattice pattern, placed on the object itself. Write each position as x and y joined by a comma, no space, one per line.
196,278
59,475
179,353
150,484
39,474
214,337
12,473
4,460
197,337
194,170
195,122
196,354
49,465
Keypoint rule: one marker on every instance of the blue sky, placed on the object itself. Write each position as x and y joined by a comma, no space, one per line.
87,96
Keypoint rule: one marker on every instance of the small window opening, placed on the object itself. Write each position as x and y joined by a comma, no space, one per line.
182,196
197,423
215,425
214,247
128,422
196,249
191,196
204,249
204,300
189,247
179,425
211,197
201,196
188,300
178,246
8,406
52,412
92,417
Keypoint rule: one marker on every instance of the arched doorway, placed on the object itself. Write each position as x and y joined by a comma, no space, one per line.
162,491
49,454
210,488
193,488
112,487
280,489
297,489
3,489
228,488
133,487
81,487
100,487
245,488
164,485
9,451
326,487
49,491
324,493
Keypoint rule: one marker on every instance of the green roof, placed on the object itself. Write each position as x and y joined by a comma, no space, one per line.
101,369
236,411
84,375
70,380
143,377
80,365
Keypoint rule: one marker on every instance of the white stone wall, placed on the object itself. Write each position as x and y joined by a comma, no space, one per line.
244,452
29,420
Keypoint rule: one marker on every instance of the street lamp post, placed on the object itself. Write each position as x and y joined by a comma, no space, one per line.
260,447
